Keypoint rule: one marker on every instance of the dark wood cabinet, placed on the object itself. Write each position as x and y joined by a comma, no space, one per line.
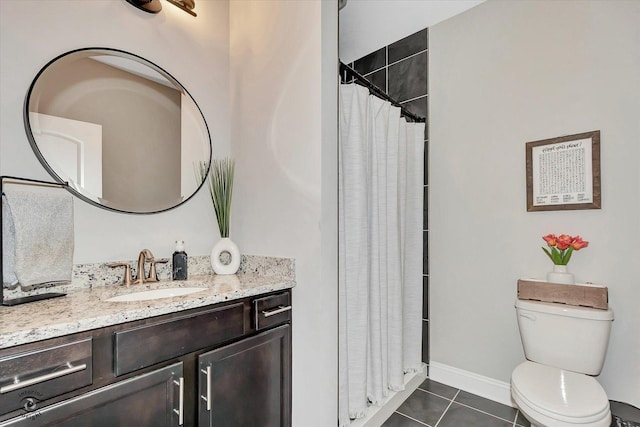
151,399
159,371
248,383
35,375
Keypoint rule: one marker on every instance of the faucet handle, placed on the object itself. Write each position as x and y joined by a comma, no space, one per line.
153,275
127,279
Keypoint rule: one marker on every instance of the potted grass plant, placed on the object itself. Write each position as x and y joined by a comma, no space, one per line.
225,255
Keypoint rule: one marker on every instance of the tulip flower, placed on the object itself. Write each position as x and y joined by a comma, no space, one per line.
578,243
561,247
551,239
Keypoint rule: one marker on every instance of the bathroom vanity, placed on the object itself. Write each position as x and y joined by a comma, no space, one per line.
217,357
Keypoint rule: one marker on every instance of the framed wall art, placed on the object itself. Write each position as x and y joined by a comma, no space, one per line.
564,173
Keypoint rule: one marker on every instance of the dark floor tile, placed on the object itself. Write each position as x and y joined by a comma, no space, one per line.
407,46
438,388
371,62
486,405
379,78
398,420
424,407
522,421
458,415
408,78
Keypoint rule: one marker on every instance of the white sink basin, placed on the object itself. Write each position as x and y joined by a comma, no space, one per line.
155,294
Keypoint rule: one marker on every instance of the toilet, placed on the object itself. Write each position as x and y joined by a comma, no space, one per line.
564,346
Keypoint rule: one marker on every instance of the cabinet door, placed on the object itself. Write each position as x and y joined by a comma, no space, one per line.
248,383
154,399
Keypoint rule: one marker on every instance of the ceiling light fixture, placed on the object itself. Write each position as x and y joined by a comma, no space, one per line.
151,6
186,5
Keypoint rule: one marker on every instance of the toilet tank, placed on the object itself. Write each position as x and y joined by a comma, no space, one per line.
567,337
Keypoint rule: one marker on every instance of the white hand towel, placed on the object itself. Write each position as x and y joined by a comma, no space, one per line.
9,279
43,238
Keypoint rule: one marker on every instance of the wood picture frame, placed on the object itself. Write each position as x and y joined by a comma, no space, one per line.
564,173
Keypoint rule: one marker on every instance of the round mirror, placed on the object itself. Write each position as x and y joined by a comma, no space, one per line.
122,132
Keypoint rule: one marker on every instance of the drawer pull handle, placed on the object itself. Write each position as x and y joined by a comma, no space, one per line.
180,410
21,384
207,398
278,310
208,388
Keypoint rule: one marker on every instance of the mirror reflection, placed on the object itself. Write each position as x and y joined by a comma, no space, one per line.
123,132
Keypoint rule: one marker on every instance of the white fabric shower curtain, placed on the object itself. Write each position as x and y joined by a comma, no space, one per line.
381,164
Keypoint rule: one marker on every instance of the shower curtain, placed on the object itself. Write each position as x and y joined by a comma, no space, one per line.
381,161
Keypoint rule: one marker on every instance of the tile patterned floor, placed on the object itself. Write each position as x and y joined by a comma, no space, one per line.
437,405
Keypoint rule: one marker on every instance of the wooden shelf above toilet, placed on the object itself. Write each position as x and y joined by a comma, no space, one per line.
584,295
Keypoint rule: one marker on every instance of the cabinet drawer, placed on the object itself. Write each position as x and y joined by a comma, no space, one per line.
154,399
272,310
36,375
147,345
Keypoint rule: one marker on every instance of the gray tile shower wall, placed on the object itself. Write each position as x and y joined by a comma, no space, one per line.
401,70
410,45
408,79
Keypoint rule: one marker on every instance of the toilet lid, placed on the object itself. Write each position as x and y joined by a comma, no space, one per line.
558,393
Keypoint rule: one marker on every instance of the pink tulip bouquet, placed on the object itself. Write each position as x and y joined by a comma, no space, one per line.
562,246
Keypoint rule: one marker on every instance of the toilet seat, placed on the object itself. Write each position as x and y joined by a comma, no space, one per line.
556,397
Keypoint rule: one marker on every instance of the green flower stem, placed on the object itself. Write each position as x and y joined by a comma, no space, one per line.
559,257
567,255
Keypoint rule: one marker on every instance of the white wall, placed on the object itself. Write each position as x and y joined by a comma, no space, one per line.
284,133
366,26
503,74
194,50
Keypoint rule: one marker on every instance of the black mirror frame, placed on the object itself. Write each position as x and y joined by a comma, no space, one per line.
57,178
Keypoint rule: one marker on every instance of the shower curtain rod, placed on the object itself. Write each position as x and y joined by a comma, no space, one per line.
345,71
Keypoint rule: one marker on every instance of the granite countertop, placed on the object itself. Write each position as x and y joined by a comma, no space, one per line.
86,309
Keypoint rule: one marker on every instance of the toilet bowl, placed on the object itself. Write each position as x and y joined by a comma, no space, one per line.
553,397
564,346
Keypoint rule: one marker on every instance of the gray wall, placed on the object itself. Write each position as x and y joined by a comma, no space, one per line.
502,74
284,130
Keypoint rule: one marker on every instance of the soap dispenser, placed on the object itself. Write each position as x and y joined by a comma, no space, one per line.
179,262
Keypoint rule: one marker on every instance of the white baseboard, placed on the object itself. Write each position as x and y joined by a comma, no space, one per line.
486,387
377,415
